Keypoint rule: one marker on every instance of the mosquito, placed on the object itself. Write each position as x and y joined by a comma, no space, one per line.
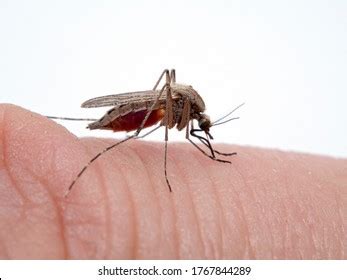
172,105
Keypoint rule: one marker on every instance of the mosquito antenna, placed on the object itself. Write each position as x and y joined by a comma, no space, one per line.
228,120
222,118
71,119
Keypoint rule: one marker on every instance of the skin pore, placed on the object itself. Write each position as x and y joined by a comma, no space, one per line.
267,205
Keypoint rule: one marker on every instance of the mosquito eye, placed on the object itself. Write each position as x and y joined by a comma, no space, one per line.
204,124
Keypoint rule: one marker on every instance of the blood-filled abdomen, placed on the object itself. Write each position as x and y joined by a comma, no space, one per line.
133,120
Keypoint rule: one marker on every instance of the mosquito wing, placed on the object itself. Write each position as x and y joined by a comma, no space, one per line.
120,99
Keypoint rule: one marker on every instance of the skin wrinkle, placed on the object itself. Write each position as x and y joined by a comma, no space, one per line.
275,222
103,188
59,217
339,220
176,246
286,238
14,182
309,212
338,194
300,226
340,212
135,231
41,183
108,227
177,206
222,221
248,250
193,208
181,237
315,245
171,198
6,164
287,187
64,216
66,224
343,209
146,175
269,197
102,144
133,211
340,215
80,229
126,189
209,182
257,196
232,198
58,208
245,217
242,210
136,212
226,225
272,223
220,242
153,186
151,243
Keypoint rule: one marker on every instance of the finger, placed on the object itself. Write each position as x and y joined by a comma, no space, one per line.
267,204
38,158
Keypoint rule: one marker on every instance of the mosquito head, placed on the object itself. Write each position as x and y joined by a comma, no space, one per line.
204,122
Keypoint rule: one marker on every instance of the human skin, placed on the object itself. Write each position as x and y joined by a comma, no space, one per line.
267,204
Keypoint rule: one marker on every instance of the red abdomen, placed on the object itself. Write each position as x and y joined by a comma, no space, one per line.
132,121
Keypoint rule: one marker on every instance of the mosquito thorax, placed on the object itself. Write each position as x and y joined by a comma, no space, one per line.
186,91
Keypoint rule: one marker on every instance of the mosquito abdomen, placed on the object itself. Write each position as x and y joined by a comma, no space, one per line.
130,121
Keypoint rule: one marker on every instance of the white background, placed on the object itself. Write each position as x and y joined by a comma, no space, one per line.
285,59
87,269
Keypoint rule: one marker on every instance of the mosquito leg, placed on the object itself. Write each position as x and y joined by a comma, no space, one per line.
148,133
165,72
168,122
167,85
203,140
225,154
165,158
206,154
208,144
93,159
173,75
201,150
169,114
